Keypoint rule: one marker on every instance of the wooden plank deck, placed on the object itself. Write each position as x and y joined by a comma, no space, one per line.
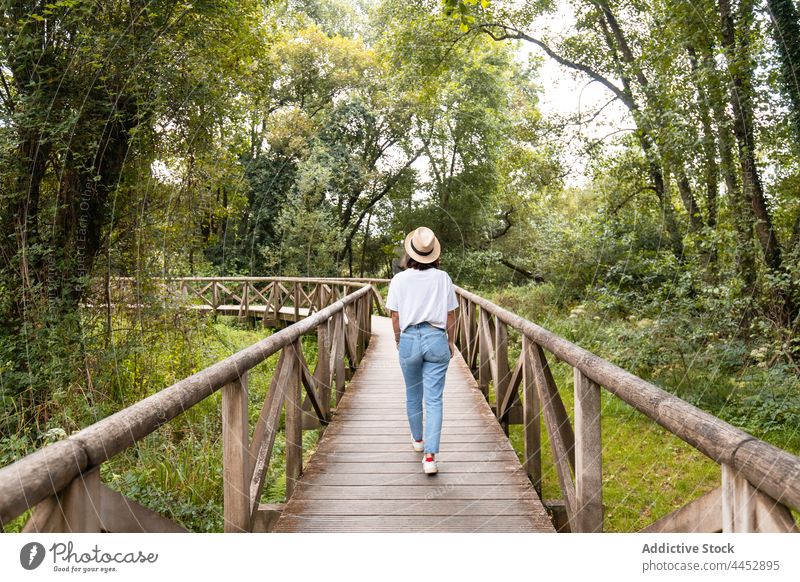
364,475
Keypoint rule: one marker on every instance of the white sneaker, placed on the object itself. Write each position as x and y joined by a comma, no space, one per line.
419,446
429,465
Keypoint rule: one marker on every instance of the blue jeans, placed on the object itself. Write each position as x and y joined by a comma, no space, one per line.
424,356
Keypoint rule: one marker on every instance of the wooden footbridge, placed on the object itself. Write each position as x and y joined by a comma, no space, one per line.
363,474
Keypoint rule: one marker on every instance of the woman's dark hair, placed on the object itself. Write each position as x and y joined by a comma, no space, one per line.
412,264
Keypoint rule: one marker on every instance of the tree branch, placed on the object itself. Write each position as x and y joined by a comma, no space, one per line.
619,206
390,183
596,114
524,272
505,217
511,33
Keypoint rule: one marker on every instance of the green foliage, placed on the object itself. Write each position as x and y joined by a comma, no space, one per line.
460,10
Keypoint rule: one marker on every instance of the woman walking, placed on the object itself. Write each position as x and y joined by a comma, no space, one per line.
422,302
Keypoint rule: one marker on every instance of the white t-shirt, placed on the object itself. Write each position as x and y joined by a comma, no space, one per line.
420,296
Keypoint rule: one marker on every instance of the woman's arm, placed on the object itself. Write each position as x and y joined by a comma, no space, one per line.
451,330
396,327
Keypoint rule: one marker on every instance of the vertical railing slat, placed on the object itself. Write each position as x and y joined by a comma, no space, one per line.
322,371
738,502
588,456
294,423
338,359
531,422
235,456
502,373
484,354
80,503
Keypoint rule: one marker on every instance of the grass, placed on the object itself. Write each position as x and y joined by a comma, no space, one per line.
647,471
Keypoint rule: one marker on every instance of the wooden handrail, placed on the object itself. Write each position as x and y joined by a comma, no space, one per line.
46,472
349,281
244,297
767,468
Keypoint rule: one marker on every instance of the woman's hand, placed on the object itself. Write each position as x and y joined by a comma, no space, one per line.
452,347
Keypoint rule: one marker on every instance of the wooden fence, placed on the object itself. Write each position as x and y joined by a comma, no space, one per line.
271,300
62,481
759,480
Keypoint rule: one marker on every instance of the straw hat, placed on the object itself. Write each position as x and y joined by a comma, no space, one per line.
422,245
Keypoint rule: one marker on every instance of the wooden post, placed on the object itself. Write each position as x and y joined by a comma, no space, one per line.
531,420
738,502
215,295
267,295
369,317
459,339
323,295
588,457
294,423
484,341
502,372
80,503
350,327
358,332
296,301
463,316
322,372
473,332
274,301
365,315
338,350
363,308
235,455
244,307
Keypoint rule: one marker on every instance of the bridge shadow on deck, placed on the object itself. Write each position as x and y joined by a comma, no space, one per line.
364,476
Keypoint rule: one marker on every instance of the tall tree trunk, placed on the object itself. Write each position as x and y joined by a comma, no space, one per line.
786,31
689,203
364,245
740,210
667,211
740,67
710,166
624,59
737,51
21,231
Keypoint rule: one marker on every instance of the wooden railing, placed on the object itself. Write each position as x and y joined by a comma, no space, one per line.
61,481
759,480
272,300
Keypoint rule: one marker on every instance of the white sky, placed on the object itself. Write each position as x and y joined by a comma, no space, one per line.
566,92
